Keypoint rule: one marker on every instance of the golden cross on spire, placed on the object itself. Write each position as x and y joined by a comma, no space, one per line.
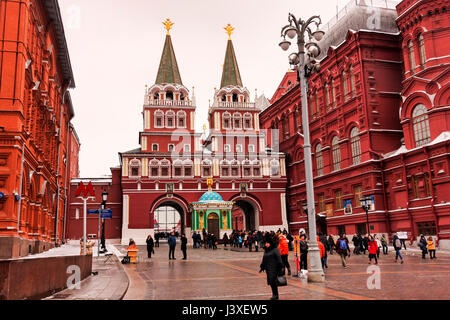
168,24
229,29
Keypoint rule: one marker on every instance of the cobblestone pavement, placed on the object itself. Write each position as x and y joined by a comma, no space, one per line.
230,275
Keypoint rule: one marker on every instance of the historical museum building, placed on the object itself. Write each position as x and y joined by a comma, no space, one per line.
38,144
379,123
173,165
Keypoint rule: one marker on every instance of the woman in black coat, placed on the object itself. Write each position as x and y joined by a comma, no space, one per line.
423,246
150,245
272,264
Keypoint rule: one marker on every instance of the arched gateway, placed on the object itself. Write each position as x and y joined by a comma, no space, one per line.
168,172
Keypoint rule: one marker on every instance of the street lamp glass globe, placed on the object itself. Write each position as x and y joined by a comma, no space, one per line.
318,35
314,51
284,45
104,195
291,32
293,59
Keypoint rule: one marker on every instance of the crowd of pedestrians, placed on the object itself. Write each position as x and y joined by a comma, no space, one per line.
284,242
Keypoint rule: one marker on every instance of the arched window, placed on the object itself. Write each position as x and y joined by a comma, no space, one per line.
256,168
345,85
206,168
248,121
317,103
423,56
188,168
226,118
352,82
235,97
154,168
169,95
181,119
327,97
355,144
319,160
297,118
285,125
170,119
177,168
412,58
159,119
421,125
225,168
135,168
235,168
165,168
237,121
336,153
247,168
274,167
333,94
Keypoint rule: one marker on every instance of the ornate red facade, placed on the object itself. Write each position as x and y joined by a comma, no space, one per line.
379,127
35,113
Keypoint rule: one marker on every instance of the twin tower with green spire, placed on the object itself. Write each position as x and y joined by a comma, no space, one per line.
169,106
168,71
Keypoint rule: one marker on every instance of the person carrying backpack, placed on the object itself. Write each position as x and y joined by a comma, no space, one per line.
343,249
397,246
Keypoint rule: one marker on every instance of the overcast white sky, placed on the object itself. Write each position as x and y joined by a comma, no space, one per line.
115,47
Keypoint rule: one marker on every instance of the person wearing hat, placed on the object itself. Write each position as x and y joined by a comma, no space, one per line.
271,264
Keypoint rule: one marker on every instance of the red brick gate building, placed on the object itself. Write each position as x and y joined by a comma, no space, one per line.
35,128
379,123
172,165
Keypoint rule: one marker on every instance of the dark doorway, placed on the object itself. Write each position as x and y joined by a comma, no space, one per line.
213,224
249,214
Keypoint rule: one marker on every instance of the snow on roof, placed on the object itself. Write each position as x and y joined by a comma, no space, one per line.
444,136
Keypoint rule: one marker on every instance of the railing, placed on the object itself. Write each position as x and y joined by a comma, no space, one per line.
386,4
170,103
226,104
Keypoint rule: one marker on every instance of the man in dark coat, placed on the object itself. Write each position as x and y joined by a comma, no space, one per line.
150,244
355,240
272,264
331,244
172,244
157,240
184,246
303,252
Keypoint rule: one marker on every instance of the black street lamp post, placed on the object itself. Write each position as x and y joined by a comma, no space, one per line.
366,202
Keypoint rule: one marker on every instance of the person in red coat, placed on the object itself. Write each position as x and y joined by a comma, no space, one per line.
373,249
283,247
322,252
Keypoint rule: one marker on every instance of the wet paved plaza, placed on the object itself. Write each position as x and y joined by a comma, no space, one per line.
230,275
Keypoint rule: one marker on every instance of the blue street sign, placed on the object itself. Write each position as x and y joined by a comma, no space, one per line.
106,214
91,211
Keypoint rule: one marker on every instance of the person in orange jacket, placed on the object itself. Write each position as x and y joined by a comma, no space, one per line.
283,247
431,248
322,252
